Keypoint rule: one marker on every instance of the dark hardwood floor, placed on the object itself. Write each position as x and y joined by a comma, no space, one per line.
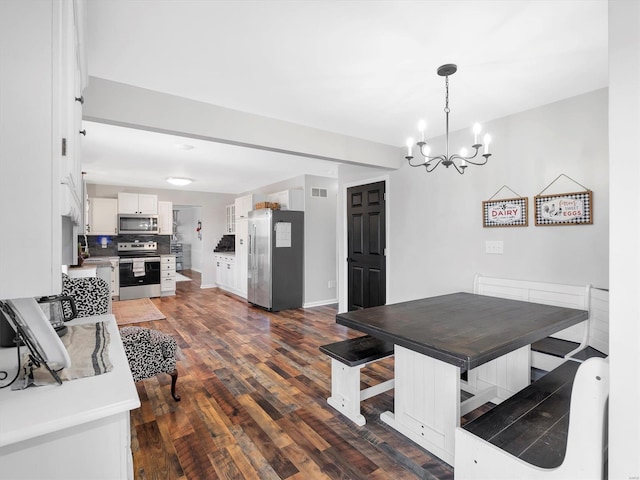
254,388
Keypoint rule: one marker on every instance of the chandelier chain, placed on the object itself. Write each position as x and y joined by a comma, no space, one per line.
446,106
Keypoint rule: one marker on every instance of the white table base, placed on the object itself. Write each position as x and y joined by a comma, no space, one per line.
427,395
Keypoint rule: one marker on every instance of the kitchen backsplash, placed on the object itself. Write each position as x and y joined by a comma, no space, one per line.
111,243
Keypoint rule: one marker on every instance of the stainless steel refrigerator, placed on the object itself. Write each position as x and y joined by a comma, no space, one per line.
275,262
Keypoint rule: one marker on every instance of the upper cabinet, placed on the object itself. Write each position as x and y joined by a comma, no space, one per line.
288,199
230,222
39,42
103,216
165,218
72,82
137,203
243,205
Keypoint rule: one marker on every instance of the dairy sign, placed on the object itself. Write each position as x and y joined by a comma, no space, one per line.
510,212
564,209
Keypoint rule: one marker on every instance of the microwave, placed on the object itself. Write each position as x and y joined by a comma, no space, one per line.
137,223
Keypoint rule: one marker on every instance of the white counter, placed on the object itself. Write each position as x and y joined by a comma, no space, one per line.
79,429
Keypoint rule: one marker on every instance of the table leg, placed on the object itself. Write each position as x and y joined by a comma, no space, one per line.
426,402
503,376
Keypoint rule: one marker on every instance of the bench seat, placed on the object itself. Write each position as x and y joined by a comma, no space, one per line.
560,348
348,357
533,424
358,351
554,428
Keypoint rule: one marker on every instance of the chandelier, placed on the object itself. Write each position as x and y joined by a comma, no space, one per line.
460,161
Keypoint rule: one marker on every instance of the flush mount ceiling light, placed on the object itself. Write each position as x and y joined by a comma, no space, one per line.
431,163
179,181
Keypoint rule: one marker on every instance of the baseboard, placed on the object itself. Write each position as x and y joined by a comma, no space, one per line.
320,303
209,285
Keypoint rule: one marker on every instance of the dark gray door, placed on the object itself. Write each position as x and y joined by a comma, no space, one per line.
366,243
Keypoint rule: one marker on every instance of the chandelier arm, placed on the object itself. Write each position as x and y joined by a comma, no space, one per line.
433,165
411,164
460,168
468,159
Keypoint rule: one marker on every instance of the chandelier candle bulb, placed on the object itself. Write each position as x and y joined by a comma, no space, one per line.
409,144
487,141
422,125
477,128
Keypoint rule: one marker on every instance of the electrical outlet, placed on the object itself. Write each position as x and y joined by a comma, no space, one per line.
494,247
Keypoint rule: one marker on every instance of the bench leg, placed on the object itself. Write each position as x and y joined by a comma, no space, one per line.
345,391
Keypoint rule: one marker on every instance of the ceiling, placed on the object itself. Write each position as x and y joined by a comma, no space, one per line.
365,69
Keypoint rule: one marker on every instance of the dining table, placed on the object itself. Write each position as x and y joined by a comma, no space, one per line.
437,340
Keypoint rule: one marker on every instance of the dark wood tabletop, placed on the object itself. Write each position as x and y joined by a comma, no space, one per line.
462,329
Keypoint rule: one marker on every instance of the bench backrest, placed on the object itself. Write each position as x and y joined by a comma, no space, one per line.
599,320
556,294
584,457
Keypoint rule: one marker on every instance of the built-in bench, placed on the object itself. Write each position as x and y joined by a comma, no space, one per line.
554,428
348,357
582,341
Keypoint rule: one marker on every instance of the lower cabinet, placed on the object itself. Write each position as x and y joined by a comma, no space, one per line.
167,275
226,272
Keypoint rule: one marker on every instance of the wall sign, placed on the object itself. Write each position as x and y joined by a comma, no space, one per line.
564,209
509,212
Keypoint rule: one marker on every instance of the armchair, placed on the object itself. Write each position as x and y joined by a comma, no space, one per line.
149,353
91,295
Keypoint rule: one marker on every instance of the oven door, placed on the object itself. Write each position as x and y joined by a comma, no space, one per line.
139,271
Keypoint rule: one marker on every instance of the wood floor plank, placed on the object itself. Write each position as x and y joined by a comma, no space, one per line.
254,386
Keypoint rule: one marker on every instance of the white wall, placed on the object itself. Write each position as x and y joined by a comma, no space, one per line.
320,242
436,218
213,217
624,118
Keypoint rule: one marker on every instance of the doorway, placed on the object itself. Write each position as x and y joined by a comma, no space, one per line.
366,242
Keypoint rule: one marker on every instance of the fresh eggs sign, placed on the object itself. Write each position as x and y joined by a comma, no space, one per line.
511,212
564,209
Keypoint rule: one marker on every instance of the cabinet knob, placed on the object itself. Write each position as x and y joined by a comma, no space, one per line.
83,132
80,99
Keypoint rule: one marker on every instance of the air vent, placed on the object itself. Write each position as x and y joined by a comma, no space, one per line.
319,192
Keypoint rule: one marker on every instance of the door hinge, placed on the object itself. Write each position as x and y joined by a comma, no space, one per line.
64,147
384,196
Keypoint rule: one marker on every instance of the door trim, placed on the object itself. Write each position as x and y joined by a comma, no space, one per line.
343,295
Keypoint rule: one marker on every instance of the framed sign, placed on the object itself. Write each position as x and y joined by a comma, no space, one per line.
510,212
564,209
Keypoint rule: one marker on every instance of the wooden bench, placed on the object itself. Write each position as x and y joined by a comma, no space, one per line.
548,353
554,428
347,359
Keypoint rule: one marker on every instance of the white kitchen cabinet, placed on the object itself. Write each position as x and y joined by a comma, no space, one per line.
143,203
79,429
167,275
72,81
243,205
32,128
165,217
242,257
225,272
230,223
292,199
103,216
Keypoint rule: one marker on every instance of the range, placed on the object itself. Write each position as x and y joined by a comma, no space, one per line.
139,270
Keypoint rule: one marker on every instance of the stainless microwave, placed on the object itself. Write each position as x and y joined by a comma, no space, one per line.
137,223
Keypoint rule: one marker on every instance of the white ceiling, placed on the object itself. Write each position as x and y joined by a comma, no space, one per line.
361,68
